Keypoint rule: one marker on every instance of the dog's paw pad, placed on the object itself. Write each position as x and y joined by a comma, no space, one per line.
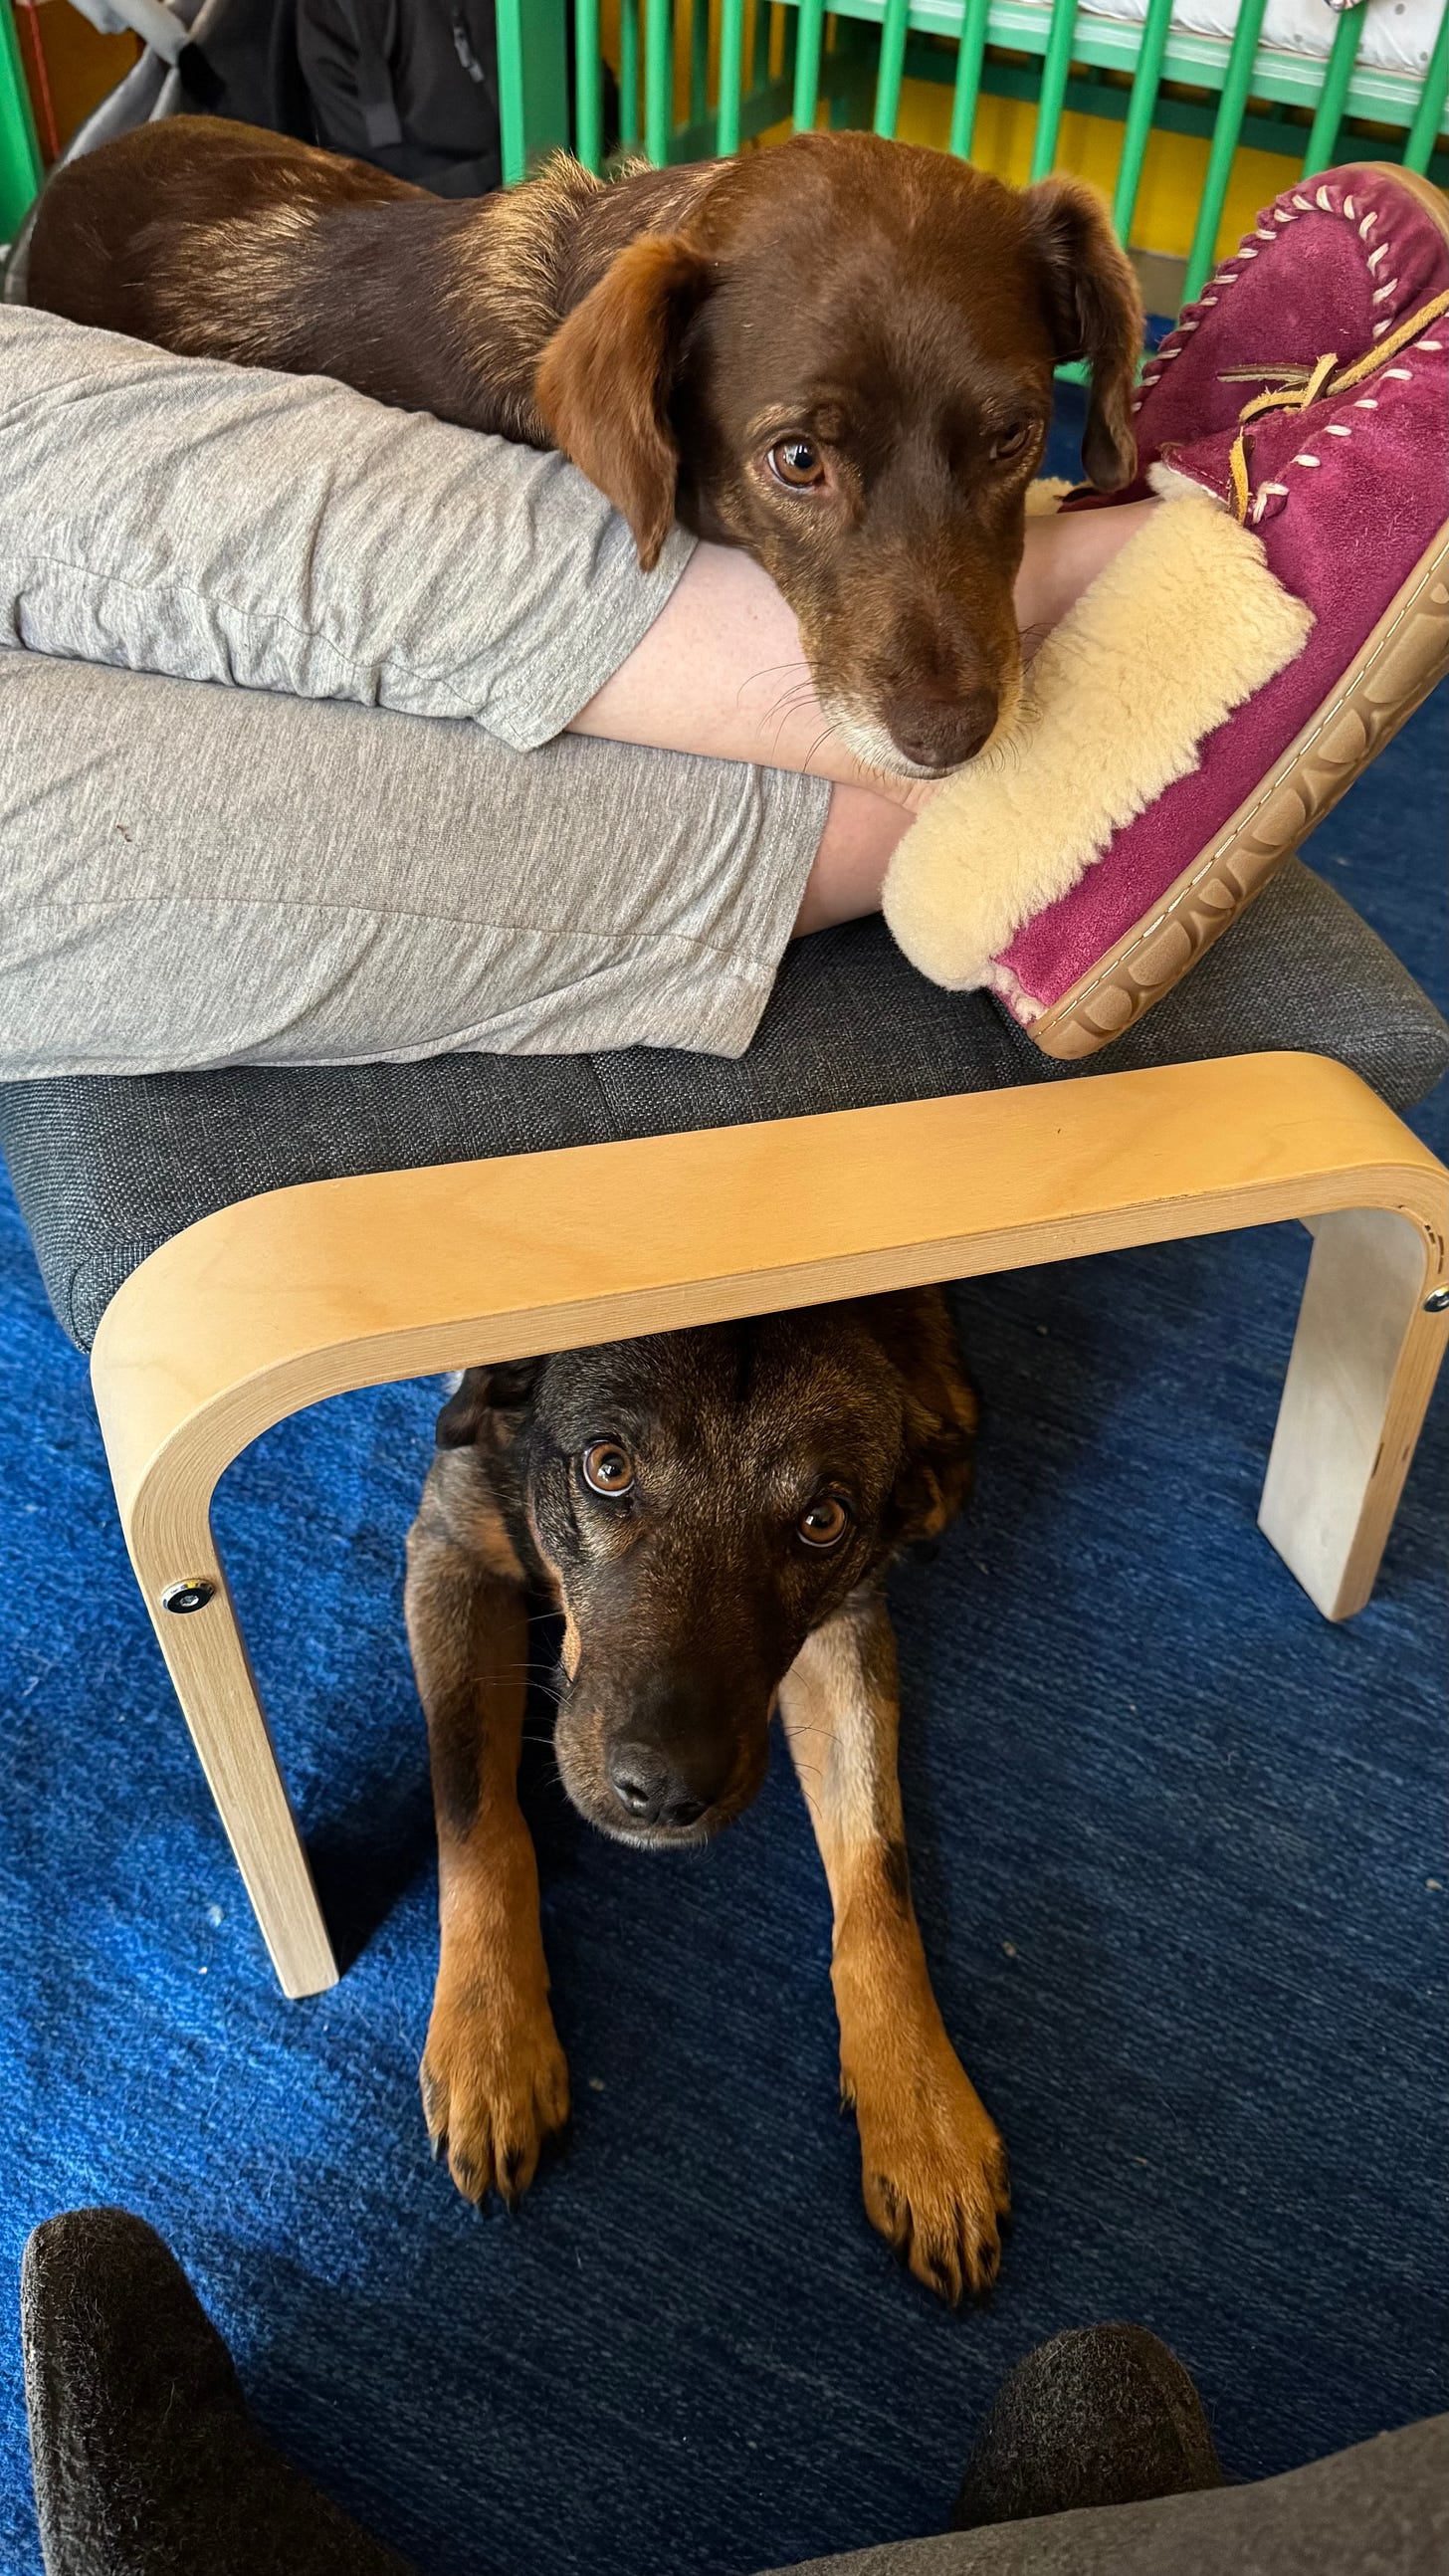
492,2097
933,2172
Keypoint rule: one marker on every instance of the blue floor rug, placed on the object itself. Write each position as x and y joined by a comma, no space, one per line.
1178,1848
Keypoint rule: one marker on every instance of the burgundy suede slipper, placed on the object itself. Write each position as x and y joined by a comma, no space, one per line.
1189,731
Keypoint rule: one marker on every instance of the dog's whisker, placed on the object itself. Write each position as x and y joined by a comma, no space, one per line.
770,672
790,702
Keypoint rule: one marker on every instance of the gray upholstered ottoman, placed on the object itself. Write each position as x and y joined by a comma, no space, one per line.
107,1168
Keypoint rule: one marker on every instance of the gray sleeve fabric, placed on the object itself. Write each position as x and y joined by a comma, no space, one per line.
196,875
193,877
283,532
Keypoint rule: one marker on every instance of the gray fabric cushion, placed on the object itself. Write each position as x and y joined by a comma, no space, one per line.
1381,2509
107,1168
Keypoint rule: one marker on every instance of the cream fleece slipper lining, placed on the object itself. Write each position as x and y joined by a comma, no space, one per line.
1184,624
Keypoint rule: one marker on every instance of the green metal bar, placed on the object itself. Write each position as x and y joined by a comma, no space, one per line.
969,56
1146,81
1432,101
512,126
1384,98
810,20
731,75
658,79
21,168
533,83
588,86
892,63
1337,73
629,74
1054,70
698,59
1092,94
1237,80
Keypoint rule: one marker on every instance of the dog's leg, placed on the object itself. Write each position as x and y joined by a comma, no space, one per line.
933,2167
494,2081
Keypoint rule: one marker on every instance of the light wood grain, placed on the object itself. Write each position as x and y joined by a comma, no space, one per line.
281,1300
1364,1360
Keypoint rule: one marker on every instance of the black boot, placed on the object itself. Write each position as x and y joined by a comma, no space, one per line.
146,2461
1104,2415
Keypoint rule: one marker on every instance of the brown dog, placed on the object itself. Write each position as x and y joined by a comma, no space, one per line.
837,355
713,1513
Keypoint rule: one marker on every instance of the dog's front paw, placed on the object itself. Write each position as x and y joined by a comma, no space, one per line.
933,2170
495,2086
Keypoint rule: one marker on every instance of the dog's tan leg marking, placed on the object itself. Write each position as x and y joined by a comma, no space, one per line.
933,2166
494,2081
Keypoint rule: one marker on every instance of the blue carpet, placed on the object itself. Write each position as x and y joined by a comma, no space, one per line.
1178,1847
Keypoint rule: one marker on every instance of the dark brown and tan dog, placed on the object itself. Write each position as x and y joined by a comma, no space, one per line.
712,1512
837,355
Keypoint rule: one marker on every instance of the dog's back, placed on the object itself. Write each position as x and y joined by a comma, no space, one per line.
224,241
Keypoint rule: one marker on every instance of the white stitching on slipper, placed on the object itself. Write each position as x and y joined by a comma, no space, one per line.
1228,275
1429,344
1405,375
1308,460
1338,429
1281,488
1365,402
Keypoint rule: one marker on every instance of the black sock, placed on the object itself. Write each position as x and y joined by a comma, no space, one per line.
146,2460
1103,2415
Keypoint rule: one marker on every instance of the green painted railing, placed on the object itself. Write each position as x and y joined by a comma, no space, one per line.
19,151
747,66
847,67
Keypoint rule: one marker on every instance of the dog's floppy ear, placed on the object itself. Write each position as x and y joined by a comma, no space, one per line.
939,1460
1094,312
604,381
504,1388
940,1419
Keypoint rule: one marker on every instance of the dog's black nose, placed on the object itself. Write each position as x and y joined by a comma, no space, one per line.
939,733
656,1792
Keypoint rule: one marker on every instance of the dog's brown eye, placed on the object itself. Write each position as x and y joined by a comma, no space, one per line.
797,464
607,1469
825,1523
1011,440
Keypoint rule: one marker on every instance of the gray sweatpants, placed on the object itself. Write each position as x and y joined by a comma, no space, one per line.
349,824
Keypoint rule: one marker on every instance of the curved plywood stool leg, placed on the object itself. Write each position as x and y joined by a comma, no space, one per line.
281,1300
1362,1370
209,1666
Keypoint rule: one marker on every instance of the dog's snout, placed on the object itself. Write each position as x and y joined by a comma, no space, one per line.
938,733
675,1790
